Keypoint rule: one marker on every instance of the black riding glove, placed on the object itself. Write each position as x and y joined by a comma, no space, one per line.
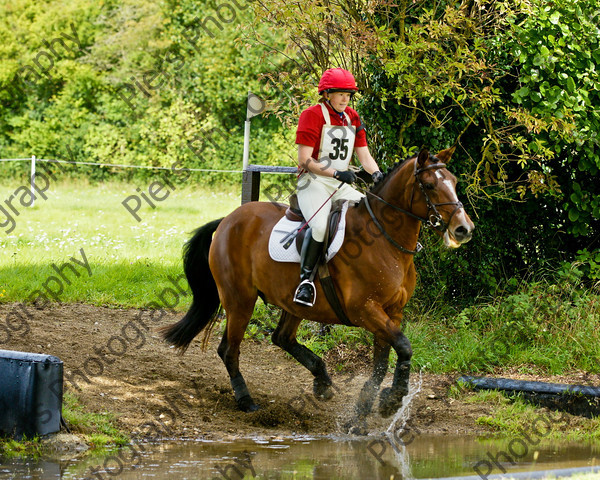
347,177
377,177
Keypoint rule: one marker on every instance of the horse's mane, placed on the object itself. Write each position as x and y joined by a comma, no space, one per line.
375,189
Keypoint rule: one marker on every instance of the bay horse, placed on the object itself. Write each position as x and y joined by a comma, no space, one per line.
373,282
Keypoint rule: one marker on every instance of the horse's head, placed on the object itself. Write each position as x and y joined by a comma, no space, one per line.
434,198
424,189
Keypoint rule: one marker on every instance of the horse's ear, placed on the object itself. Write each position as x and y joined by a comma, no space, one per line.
423,157
445,155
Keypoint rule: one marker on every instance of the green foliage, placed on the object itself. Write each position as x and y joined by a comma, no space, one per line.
589,263
142,83
541,327
129,260
10,448
523,327
538,328
556,52
463,81
98,429
512,416
513,84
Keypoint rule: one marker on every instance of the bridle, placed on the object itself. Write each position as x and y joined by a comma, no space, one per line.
432,220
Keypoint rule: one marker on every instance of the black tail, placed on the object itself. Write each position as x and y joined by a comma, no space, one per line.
205,296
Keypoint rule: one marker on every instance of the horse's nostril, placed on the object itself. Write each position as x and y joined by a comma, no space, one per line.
460,233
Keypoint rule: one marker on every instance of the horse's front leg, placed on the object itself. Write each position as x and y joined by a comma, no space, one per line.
381,353
385,325
390,399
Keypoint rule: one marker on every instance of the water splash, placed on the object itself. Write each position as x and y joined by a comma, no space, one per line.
402,415
398,425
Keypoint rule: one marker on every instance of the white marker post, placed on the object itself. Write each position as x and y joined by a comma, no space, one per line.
32,180
250,178
255,106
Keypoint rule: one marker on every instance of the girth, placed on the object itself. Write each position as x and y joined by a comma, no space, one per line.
331,294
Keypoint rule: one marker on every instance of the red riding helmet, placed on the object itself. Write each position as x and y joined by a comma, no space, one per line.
337,80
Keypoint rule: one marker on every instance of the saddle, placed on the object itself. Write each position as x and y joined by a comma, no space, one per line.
294,214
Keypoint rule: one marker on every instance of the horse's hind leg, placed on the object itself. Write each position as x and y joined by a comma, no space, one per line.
284,336
229,351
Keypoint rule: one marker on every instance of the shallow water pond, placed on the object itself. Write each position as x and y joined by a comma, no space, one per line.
315,458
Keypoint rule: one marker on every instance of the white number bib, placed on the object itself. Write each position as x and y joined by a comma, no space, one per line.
337,143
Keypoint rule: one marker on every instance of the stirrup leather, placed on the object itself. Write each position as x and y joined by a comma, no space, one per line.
314,293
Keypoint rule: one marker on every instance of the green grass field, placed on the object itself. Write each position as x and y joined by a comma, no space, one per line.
129,260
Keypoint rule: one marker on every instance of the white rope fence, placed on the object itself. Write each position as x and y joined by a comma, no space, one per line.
256,168
35,160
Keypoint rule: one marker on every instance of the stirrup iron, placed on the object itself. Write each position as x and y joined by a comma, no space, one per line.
314,291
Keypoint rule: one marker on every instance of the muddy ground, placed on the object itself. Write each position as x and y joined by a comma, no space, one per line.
115,361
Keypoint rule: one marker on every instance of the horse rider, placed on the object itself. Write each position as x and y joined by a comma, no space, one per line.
327,135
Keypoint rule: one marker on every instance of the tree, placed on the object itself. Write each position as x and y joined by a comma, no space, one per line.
511,83
131,82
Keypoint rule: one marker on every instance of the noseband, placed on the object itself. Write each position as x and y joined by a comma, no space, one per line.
432,220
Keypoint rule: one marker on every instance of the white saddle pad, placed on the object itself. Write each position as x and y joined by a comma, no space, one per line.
285,226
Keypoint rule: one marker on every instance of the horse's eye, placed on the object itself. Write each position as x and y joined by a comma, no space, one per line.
429,186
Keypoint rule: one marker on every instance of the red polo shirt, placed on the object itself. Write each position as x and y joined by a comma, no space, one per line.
311,124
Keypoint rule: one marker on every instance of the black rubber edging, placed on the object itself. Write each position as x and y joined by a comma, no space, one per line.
582,400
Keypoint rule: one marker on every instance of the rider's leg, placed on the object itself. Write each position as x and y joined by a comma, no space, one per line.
347,192
315,203
309,256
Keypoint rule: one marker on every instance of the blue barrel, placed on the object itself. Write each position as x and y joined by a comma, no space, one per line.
31,388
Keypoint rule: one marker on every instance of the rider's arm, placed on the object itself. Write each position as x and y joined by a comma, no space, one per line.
366,160
308,163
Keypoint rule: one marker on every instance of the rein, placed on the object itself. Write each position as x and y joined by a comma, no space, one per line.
387,235
434,220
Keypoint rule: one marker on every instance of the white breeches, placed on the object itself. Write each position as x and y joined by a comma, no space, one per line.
314,193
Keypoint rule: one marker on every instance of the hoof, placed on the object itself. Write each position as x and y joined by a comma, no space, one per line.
246,404
390,401
322,390
356,426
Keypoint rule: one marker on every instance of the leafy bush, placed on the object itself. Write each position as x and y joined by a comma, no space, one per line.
512,84
150,84
553,326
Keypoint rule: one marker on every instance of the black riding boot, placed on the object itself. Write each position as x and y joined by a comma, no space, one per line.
309,256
